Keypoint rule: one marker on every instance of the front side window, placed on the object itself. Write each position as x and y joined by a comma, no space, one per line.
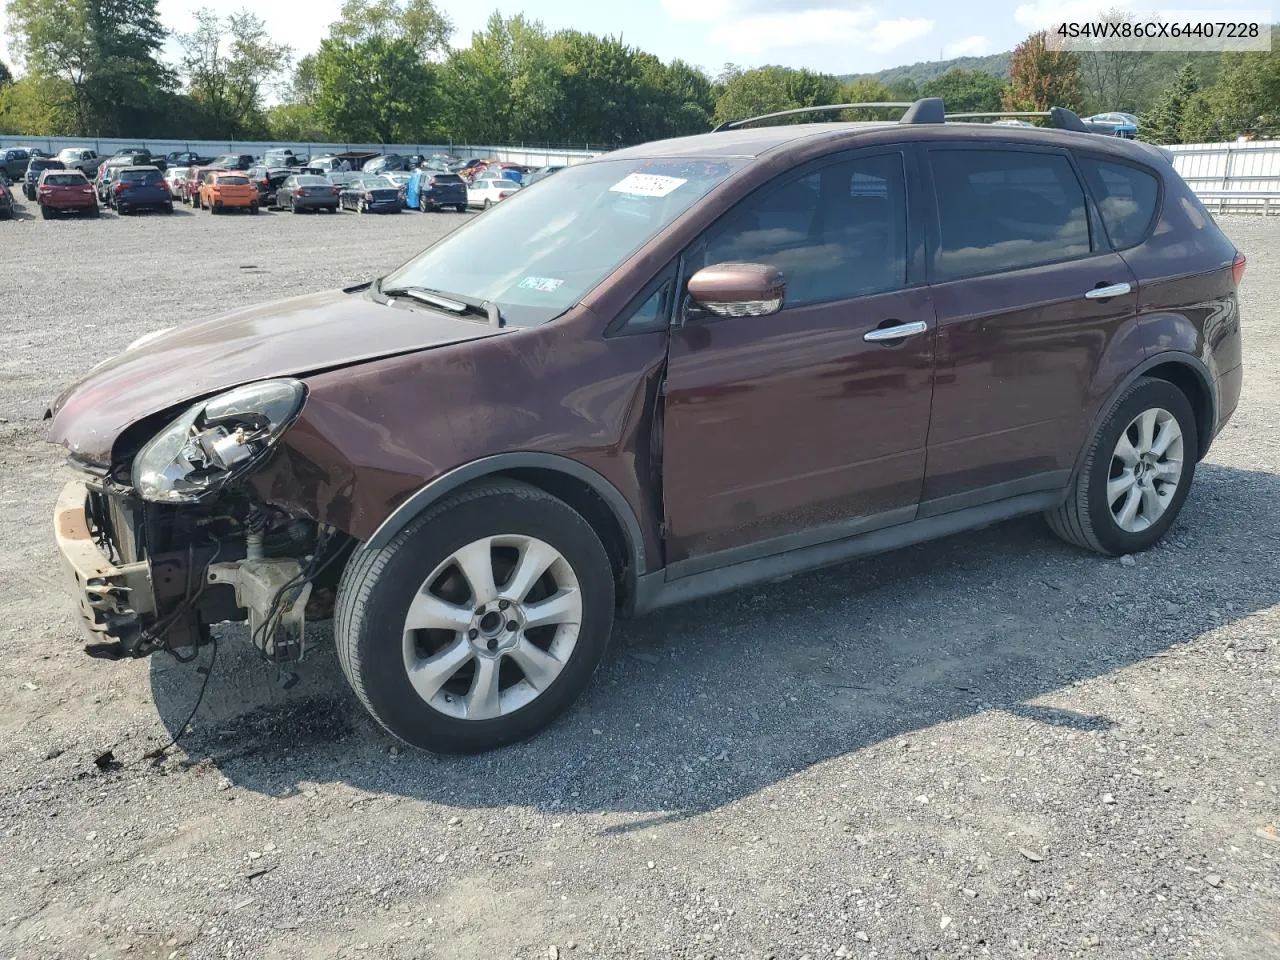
1004,210
540,251
1127,199
837,233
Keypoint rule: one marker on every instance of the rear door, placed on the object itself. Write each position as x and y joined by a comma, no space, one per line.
1030,300
792,429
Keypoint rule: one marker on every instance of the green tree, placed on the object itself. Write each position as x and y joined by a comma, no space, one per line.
6,75
1163,123
229,64
37,106
419,22
679,96
1040,78
750,93
1245,99
506,85
106,50
375,90
1111,79
601,89
966,91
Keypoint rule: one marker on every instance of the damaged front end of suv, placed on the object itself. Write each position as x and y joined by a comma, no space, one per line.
170,537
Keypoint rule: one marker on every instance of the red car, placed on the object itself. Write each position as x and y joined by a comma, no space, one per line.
65,191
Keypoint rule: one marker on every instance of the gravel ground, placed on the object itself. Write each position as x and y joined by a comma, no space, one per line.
994,745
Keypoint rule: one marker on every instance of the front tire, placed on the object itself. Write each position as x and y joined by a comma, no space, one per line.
1136,475
479,623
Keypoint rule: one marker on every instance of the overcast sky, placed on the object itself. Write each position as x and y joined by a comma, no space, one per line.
834,36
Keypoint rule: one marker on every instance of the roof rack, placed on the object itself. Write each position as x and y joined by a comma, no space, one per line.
930,110
824,108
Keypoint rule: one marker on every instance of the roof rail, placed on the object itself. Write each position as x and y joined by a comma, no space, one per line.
824,108
932,110
1060,118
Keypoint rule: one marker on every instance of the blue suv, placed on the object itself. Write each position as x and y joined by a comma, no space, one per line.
35,167
433,190
136,188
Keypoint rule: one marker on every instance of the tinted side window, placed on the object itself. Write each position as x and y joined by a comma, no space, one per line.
1127,198
1006,209
836,233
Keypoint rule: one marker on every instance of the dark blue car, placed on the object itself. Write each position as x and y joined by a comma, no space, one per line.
35,167
434,190
139,188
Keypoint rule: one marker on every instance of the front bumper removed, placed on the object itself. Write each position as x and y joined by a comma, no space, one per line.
110,599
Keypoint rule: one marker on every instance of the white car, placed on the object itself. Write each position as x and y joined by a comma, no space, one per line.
174,178
485,191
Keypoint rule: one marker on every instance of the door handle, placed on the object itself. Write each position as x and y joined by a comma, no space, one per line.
883,334
1103,293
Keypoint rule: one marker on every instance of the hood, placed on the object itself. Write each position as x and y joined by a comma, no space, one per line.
287,338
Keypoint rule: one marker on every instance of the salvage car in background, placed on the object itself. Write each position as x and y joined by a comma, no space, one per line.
268,180
222,190
370,194
6,200
176,179
80,158
434,190
65,191
488,188
35,167
307,192
14,161
139,188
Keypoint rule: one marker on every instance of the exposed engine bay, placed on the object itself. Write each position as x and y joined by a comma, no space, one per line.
170,540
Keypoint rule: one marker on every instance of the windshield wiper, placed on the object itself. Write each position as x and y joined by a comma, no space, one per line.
453,302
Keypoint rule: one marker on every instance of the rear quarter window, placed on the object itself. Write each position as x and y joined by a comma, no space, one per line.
1128,199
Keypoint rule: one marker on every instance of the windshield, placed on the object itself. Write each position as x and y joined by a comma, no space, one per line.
539,251
141,176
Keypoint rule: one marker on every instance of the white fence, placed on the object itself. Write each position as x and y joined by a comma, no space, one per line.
532,156
1232,177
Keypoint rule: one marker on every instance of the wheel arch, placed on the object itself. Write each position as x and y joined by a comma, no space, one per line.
1186,372
587,491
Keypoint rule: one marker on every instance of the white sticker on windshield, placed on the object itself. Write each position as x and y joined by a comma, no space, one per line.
541,284
647,185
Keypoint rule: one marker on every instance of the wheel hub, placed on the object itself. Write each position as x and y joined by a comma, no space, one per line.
496,627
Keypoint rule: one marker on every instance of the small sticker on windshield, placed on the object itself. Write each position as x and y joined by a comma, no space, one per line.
541,284
647,185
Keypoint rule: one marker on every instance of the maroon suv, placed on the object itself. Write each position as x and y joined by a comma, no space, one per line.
668,372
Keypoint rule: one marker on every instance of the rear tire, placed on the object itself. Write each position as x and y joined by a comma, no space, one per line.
44,212
462,208
540,548
253,208
1136,474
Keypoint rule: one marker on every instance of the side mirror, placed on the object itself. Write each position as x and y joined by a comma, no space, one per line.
738,289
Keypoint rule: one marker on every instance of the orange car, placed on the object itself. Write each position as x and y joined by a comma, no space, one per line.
223,189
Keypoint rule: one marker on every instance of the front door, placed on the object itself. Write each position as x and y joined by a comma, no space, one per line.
786,430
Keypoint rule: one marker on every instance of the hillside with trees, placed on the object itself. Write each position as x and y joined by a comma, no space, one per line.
388,71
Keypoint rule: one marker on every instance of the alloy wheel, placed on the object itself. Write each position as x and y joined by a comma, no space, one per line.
492,627
1146,468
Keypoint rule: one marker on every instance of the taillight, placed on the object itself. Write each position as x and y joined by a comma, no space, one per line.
1237,269
299,192
118,188
335,191
368,196
265,182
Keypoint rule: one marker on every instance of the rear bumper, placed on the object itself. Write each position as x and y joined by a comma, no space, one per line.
1229,385
88,203
109,599
308,203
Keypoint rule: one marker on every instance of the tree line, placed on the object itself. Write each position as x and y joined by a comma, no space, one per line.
386,72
